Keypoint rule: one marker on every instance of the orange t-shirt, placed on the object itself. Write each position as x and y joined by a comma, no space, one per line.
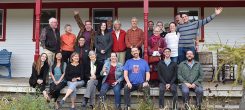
68,41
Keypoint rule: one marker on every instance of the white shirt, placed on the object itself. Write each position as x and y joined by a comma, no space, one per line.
117,34
92,69
172,40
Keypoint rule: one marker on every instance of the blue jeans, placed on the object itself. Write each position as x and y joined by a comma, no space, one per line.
73,86
117,92
185,92
174,59
182,52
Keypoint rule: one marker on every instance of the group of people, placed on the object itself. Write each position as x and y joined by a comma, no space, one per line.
110,58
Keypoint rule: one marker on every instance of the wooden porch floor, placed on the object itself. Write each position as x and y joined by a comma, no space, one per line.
21,85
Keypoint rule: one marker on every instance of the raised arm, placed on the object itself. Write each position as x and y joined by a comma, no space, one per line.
209,18
43,37
79,20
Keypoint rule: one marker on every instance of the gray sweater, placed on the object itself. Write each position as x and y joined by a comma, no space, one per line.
189,31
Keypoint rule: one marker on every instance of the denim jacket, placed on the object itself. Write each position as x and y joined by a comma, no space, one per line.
118,73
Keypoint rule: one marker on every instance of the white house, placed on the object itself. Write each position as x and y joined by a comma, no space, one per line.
17,21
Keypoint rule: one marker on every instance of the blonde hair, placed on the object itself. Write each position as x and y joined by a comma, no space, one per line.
72,55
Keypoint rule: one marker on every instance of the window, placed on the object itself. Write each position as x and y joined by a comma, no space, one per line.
194,13
100,15
46,14
1,23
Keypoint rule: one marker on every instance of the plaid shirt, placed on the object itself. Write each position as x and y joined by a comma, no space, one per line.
134,37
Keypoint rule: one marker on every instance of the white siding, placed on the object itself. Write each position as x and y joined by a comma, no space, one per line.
19,31
67,17
229,25
155,14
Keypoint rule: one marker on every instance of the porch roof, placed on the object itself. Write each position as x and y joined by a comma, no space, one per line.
49,1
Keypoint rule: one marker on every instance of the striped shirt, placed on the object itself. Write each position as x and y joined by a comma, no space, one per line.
189,31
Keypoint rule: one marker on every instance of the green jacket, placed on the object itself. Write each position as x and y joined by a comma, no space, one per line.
190,75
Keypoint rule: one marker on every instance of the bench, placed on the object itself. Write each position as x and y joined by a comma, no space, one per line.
5,57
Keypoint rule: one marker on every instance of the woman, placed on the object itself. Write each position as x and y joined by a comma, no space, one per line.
74,75
113,77
92,74
172,40
103,45
40,70
57,75
156,46
68,40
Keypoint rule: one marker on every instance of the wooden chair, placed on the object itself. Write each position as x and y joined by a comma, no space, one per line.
206,60
5,57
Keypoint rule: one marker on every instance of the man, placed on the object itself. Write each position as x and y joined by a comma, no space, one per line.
178,19
190,75
119,45
134,38
109,25
83,51
167,74
189,30
150,28
166,27
50,39
160,25
137,76
85,30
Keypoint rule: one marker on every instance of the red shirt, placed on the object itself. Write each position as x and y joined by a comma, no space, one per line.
111,76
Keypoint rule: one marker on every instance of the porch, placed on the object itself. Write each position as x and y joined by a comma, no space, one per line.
229,95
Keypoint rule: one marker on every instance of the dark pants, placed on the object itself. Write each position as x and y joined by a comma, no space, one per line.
66,56
173,90
182,53
127,91
129,55
117,92
185,92
54,90
100,66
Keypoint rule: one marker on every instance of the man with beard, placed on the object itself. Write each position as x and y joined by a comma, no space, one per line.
190,75
137,76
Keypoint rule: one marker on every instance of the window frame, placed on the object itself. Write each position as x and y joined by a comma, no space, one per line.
200,16
101,9
34,20
3,38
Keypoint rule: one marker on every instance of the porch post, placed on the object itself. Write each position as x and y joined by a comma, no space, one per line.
37,28
146,6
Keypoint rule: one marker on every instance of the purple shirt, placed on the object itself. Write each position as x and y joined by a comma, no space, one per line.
86,34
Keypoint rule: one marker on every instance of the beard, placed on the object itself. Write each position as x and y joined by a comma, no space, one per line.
189,59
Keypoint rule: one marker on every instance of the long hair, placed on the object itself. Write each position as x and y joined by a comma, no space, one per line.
37,64
99,32
55,64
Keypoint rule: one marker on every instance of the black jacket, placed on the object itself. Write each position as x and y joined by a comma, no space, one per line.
50,39
87,71
43,75
85,58
167,74
74,72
